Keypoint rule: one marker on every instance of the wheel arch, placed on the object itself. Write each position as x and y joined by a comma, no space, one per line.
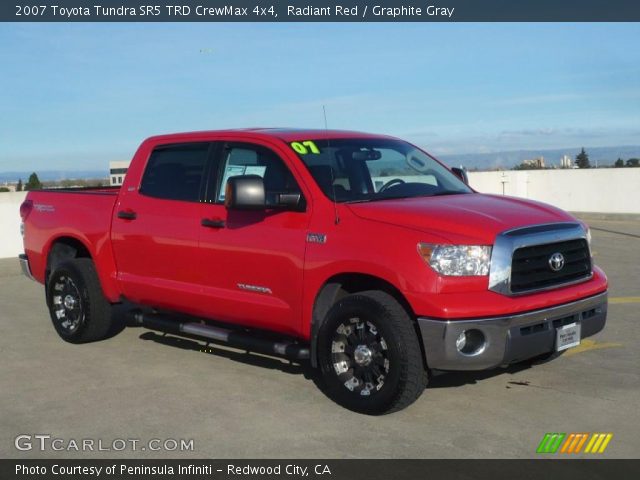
343,284
67,247
64,248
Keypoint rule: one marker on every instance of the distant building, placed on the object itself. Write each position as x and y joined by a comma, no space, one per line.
117,172
535,162
566,162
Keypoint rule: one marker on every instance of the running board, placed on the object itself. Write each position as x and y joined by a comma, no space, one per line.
168,324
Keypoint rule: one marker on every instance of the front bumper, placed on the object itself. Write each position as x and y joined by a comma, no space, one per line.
24,264
509,339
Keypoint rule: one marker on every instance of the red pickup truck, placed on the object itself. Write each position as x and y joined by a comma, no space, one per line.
361,253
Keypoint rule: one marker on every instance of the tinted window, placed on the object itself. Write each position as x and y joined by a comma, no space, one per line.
175,172
254,160
368,169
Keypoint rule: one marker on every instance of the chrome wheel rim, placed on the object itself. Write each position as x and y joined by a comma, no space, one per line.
360,356
67,303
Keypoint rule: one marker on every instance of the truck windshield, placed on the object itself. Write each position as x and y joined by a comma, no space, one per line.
370,169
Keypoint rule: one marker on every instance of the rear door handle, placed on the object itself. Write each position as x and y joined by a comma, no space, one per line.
212,222
127,214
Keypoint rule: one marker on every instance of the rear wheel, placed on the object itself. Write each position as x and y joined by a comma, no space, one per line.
369,354
79,311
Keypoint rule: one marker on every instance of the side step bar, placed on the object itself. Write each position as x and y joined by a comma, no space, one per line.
238,339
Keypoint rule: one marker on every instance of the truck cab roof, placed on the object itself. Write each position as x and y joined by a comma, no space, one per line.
284,134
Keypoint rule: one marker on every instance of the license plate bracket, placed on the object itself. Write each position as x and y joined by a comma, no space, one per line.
567,336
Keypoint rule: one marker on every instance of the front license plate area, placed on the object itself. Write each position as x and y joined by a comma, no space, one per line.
567,336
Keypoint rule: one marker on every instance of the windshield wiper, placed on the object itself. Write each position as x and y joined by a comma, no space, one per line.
374,199
378,199
439,194
391,197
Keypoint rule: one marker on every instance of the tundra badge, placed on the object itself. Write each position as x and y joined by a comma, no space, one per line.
316,238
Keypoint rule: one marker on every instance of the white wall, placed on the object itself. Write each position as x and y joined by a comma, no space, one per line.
610,190
603,190
10,239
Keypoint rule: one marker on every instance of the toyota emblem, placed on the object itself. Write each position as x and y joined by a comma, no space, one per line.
556,262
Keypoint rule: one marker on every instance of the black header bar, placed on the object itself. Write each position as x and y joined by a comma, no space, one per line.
320,469
320,11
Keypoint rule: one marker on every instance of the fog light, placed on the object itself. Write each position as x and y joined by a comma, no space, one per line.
471,342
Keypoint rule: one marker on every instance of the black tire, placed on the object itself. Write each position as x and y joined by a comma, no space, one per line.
369,354
79,311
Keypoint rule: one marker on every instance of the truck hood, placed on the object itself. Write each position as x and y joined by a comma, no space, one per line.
466,218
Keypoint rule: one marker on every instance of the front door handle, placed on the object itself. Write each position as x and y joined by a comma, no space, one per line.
212,222
127,214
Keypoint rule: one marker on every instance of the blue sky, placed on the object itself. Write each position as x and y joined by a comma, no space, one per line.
74,96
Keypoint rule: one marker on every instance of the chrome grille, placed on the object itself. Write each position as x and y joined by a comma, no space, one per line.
520,258
530,269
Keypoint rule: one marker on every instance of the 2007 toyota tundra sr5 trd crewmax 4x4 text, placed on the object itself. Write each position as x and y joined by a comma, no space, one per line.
361,253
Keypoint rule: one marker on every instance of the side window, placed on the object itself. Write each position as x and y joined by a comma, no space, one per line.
248,159
329,169
175,172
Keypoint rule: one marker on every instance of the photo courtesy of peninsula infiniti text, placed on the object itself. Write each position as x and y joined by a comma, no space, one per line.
358,253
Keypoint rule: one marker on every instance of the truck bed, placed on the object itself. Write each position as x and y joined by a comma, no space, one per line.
84,190
75,214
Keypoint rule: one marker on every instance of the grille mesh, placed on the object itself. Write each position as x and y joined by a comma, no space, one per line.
530,268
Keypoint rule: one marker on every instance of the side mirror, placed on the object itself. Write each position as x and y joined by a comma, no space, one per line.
461,173
244,192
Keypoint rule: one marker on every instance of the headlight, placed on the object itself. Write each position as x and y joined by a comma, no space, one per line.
457,260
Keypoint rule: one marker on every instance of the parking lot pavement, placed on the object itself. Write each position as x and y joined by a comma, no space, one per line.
140,385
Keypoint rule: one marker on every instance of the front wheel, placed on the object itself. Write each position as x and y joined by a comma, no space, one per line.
79,311
369,354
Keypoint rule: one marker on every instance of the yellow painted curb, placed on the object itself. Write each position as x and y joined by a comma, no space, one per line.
615,300
587,345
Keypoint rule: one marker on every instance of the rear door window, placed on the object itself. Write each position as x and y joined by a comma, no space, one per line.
176,172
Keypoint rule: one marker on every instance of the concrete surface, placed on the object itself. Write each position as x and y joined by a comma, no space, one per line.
609,190
10,239
141,386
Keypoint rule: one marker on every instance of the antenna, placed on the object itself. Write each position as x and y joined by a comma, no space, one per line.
333,187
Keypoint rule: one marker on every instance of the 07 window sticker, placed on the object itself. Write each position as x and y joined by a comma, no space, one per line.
303,148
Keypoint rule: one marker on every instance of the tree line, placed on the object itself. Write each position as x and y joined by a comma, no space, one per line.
34,183
582,161
631,162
